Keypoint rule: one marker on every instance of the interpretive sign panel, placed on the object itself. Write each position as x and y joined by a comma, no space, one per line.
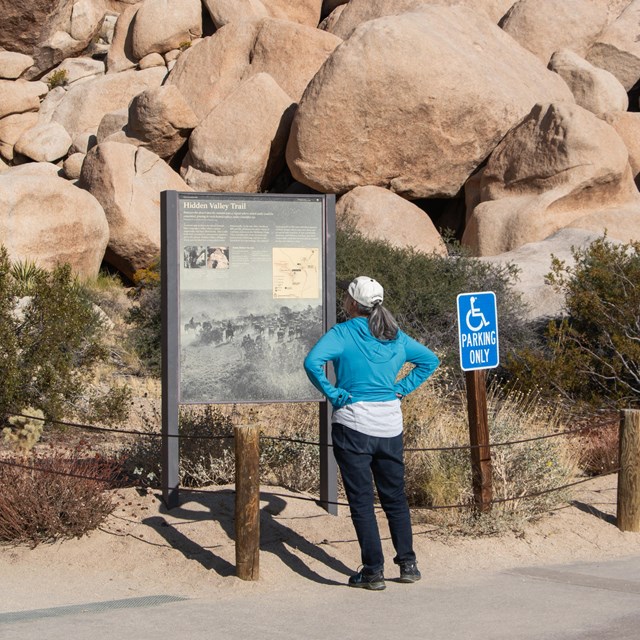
250,281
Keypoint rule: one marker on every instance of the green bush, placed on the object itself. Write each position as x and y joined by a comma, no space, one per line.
421,290
50,344
593,353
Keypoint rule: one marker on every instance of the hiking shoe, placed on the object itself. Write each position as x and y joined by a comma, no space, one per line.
409,572
373,581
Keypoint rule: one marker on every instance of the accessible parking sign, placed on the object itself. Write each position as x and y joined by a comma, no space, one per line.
478,330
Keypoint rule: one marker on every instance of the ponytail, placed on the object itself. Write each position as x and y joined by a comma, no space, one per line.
382,324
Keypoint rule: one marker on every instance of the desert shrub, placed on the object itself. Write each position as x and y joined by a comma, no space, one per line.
202,461
205,461
57,495
145,318
58,78
113,297
529,467
24,431
597,449
294,465
592,354
421,289
51,341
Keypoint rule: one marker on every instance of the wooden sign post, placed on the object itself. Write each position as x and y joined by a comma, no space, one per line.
478,340
629,474
479,439
247,524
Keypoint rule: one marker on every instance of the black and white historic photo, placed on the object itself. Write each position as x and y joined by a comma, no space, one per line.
244,346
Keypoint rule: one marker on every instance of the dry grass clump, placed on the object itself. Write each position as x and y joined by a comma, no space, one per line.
293,465
435,418
52,496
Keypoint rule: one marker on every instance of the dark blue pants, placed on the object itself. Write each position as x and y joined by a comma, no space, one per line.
360,456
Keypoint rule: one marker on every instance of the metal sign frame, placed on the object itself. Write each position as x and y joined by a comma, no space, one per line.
172,257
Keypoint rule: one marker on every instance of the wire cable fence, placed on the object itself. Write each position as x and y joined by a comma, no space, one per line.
298,440
187,489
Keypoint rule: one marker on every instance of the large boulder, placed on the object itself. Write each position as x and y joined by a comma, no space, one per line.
627,124
74,229
544,26
86,19
534,261
19,96
84,105
593,88
415,103
619,223
76,70
378,214
120,55
559,164
161,119
225,11
44,143
13,64
240,148
210,70
26,25
617,48
127,181
154,32
356,12
112,122
302,11
11,128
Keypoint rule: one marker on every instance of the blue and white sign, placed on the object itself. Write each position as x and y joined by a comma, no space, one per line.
478,330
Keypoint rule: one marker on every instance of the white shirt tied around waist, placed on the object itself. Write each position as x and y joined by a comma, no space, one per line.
380,419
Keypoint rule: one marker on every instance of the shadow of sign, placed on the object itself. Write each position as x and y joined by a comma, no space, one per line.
275,537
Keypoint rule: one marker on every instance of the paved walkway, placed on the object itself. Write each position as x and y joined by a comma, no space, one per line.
597,601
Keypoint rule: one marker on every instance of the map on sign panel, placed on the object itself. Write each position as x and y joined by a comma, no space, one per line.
295,272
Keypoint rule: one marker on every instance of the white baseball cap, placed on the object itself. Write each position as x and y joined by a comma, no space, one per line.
367,291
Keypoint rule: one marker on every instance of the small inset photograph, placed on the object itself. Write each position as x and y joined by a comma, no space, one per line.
217,257
194,257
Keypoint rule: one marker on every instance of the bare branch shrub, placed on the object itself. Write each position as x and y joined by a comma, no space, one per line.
52,496
597,449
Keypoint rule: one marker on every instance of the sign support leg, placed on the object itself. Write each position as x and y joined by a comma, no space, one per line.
328,466
479,439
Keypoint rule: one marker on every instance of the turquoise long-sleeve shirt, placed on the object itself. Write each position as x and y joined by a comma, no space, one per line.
366,368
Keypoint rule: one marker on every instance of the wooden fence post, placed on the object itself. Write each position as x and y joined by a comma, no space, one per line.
479,439
247,508
629,474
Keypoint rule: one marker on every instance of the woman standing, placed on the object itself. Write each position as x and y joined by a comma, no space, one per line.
367,352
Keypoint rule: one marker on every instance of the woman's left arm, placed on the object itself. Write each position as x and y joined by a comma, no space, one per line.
425,361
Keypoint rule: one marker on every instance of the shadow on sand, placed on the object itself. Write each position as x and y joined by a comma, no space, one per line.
275,537
594,511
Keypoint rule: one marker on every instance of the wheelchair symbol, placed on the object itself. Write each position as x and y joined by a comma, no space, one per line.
479,319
